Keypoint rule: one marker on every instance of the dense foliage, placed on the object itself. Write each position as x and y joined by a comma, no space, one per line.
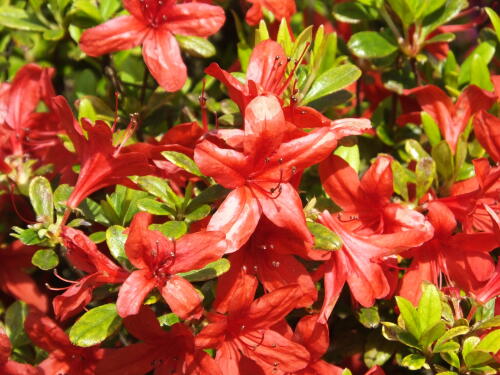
249,187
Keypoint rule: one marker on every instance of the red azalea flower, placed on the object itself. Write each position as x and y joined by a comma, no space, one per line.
469,197
280,8
260,169
159,260
366,203
152,24
452,118
244,333
14,281
487,131
85,256
358,262
171,352
269,256
462,257
18,103
11,367
64,357
102,164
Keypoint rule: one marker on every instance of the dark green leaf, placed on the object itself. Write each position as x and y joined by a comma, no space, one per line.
17,18
171,229
371,45
154,207
352,12
209,195
199,213
95,326
45,259
14,323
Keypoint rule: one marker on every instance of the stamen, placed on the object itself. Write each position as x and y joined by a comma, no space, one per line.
117,94
131,128
47,285
280,90
62,278
203,105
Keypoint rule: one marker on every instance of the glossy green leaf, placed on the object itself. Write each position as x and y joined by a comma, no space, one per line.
182,161
196,46
415,150
490,343
451,358
115,239
369,317
171,229
431,334
95,326
154,207
377,350
482,54
425,171
199,213
414,361
449,346
495,20
429,307
42,199
210,271
431,129
410,316
449,334
324,238
17,18
352,12
168,320
331,81
445,166
15,315
160,188
45,259
350,154
371,45
210,195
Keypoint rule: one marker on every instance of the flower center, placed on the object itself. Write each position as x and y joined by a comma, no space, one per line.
155,11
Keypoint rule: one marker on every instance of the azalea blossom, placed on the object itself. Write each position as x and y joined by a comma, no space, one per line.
487,131
154,24
281,9
9,367
159,260
260,166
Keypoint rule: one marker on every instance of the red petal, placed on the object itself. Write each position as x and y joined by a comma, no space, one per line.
145,326
265,127
212,336
234,87
162,55
487,131
14,368
17,283
74,299
134,8
135,359
195,19
5,346
141,240
284,208
228,167
45,333
182,298
267,66
377,182
133,292
228,358
196,250
237,216
201,364
268,347
254,14
272,307
117,34
314,336
341,182
334,280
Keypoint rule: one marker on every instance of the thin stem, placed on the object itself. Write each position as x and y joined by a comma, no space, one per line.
144,85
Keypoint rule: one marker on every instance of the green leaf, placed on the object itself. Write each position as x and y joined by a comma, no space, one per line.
27,236
449,334
490,323
210,271
431,334
431,129
451,358
480,74
405,11
442,16
98,237
14,323
482,54
477,358
415,150
171,229
369,317
209,195
444,37
196,46
284,38
168,319
42,200
425,171
199,213
160,188
334,79
441,153
154,207
429,307
53,34
371,45
490,343
261,33
45,259
324,238
495,20
182,161
377,350
350,154
352,12
115,239
413,361
17,18
469,344
393,332
410,316
95,326
61,195
449,346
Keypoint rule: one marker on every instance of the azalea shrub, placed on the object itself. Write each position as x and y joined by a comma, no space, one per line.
254,187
